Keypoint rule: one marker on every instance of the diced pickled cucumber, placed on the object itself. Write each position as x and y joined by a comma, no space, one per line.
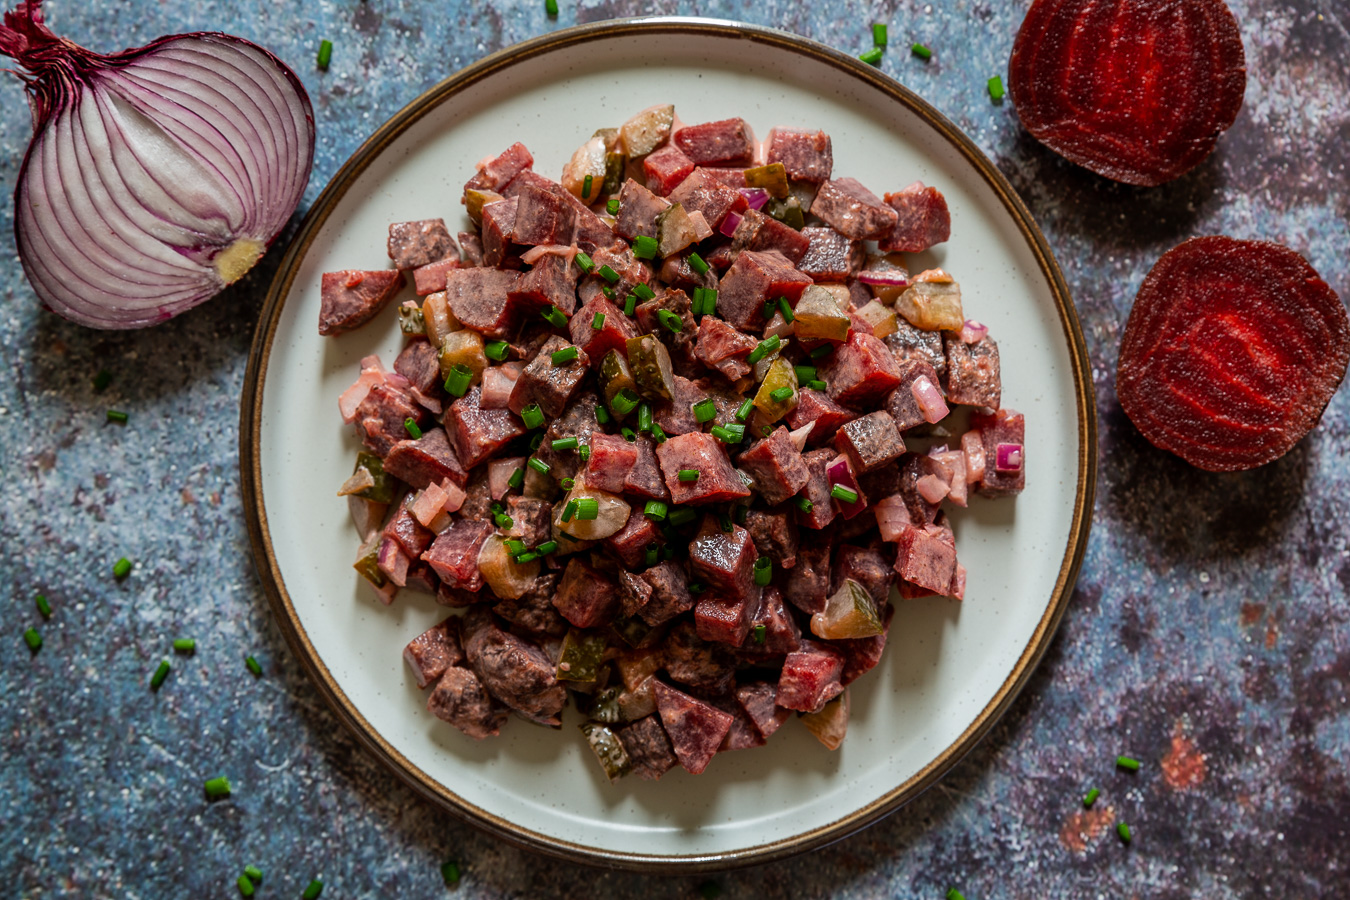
437,318
788,211
588,160
615,375
632,629
581,656
368,561
773,178
475,200
647,130
850,612
932,306
780,375
411,321
465,348
818,316
382,491
604,706
650,362
676,229
609,750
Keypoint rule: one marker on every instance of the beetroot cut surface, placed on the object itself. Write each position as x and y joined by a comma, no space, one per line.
1135,90
1231,352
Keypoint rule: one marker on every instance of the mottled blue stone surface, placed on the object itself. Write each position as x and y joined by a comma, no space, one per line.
1209,635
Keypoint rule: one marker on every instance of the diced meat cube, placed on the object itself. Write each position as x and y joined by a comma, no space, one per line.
806,155
380,418
496,173
478,298
666,168
426,460
817,490
701,194
638,209
870,441
810,677
413,244
706,666
728,142
612,458
830,256
903,402
760,232
774,534
515,671
454,554
925,559
908,342
732,177
351,298
430,278
613,335
648,747
645,478
670,593
422,577
862,654
861,372
552,281
420,364
758,699
922,219
433,651
680,343
531,519
753,278
630,542
724,618
676,416
478,433
813,406
723,560
404,528
586,597
776,465
695,728
717,481
534,611
471,248
499,224
577,421
743,735
634,593
548,385
866,566
973,372
1006,426
913,467
461,700
853,210
543,215
781,632
809,586
723,348
477,495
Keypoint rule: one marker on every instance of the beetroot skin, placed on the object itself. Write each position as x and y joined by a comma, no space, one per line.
1231,352
1135,90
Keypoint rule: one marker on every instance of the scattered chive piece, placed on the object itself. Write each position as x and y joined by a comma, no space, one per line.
816,385
496,507
33,639
546,548
161,673
705,410
822,351
996,89
655,509
612,206
681,517
843,494
737,431
1126,762
43,606
688,475
601,414
761,633
921,52
763,349
585,452
567,443
652,554
786,310
122,568
607,291
769,308
658,433
102,380
564,356
253,666
645,247
805,373
532,416
457,382
410,426
1123,829
609,275
569,510
879,33
536,441
696,588
598,322
628,434
554,317
588,508
185,645
629,304
115,415
254,873
245,886
779,395
325,54
217,788
567,484
742,513
804,504
1091,798
954,894
644,292
745,409
524,558
538,465
763,571
515,546
871,57
724,522
697,264
551,8
766,430
645,417
669,319
497,350
586,186
625,401
722,435
316,886
584,262
517,478
450,868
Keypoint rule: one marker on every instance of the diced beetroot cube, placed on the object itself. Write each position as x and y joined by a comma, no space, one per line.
810,677
753,278
725,561
648,748
717,481
454,554
903,402
496,173
973,372
925,559
817,490
638,209
613,335
670,593
499,223
705,195
728,142
853,210
470,248
430,278
543,216
806,155
762,233
870,441
676,416
586,597
351,298
743,734
419,363
830,256
433,651
728,619
862,654
611,459
381,415
706,666
478,433
630,542
408,532
666,168
732,177
413,244
774,534
781,633
696,729
550,386
645,478
776,465
552,281
478,298
861,372
813,406
922,219
809,586
723,348
1003,427
758,699
865,565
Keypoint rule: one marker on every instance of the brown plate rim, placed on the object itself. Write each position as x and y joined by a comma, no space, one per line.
256,514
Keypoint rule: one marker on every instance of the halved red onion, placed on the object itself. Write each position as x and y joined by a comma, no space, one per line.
730,224
953,463
156,176
973,332
841,473
755,197
884,277
931,405
1008,458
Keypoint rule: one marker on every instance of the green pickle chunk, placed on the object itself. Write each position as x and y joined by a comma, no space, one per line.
581,656
781,374
773,178
368,562
615,375
382,491
608,749
605,705
650,361
788,211
411,320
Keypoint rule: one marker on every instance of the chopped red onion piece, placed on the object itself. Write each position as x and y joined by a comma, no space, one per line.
954,464
973,332
755,197
372,373
884,278
931,404
972,447
534,254
730,224
454,497
932,488
499,475
800,435
841,473
497,384
428,504
394,562
892,517
1008,458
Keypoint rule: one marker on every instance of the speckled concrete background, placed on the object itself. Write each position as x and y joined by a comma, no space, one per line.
1209,635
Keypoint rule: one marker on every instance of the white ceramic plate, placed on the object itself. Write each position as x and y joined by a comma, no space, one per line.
950,668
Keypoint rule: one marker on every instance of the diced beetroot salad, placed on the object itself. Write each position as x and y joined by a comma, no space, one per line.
656,430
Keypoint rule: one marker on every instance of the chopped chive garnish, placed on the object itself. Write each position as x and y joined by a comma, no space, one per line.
529,557
567,443
122,568
921,52
843,494
253,666
879,33
804,504
744,410
554,316
116,415
551,8
688,475
780,395
1123,830
644,292
585,453
253,872
996,89
410,426
625,401
628,434
786,309
584,262
517,478
658,433
532,416
217,788
564,356
598,321
588,508
723,435
601,414
645,247
567,484
609,275
697,264
669,319
816,385
185,645
652,555
316,886
871,57
539,465
629,304
536,441
705,410
735,430
822,351
546,548
763,571
696,587
645,417
245,886
569,510
763,349
450,868
607,291
805,373
325,54
1091,798
457,382
497,350
161,673
586,185
43,606
741,513
102,380
655,509
724,523
954,894
515,546
1126,762
761,634
612,206
682,517
33,639
496,507
770,308
766,430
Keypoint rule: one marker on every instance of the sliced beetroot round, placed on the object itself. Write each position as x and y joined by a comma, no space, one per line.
1231,352
1135,90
